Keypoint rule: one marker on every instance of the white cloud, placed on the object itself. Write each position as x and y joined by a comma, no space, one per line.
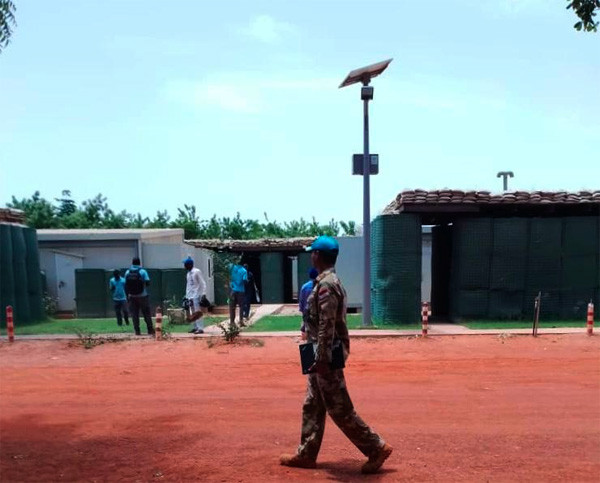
265,28
138,44
513,7
229,96
239,92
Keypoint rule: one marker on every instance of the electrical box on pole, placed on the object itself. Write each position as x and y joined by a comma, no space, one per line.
358,164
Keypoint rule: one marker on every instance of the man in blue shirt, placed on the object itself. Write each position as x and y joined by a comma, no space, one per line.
237,278
303,298
136,288
117,288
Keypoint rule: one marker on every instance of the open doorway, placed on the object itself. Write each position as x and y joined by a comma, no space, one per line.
290,278
441,264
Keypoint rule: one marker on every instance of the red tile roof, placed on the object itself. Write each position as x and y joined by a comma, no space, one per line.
12,216
458,197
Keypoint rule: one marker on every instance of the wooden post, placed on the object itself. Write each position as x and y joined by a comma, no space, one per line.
10,324
425,313
158,328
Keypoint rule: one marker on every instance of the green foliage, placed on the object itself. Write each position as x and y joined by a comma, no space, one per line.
586,11
7,22
50,305
230,331
87,339
95,213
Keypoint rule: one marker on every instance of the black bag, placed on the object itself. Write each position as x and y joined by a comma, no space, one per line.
307,356
134,283
204,302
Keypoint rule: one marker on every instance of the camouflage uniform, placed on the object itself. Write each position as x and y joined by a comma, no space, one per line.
328,393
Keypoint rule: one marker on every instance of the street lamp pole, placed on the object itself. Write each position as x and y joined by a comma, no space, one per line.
366,94
364,76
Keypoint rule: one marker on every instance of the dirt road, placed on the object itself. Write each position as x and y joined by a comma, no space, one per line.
465,408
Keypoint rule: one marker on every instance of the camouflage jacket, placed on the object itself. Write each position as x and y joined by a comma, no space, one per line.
327,315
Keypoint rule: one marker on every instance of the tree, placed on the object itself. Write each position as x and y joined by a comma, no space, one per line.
66,204
39,212
7,22
586,11
95,213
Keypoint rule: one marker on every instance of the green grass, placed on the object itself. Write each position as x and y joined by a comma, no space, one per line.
96,326
279,323
521,324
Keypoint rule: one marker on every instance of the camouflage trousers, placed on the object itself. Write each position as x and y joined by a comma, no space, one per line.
327,394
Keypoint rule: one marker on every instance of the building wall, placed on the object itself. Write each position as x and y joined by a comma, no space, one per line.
349,268
106,255
109,255
174,239
426,267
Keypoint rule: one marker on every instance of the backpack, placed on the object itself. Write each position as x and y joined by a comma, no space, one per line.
134,283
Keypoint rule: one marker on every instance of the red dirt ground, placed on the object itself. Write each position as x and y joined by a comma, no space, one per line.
465,408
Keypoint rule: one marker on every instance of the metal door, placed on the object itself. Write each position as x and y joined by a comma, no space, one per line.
65,279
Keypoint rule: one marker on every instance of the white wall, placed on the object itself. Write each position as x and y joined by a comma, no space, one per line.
48,266
172,255
349,268
426,268
203,259
97,256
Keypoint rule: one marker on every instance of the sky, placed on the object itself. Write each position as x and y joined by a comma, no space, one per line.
234,106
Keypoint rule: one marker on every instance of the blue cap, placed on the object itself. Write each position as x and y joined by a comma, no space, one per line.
312,273
188,260
324,244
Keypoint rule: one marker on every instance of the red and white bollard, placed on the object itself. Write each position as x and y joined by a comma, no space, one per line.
10,324
590,319
158,328
425,313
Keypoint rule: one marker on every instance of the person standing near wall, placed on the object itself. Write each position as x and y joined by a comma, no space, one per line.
117,289
237,278
249,292
195,293
303,298
137,281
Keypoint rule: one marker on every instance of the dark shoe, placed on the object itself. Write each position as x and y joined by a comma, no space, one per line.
377,459
297,461
242,323
192,331
199,331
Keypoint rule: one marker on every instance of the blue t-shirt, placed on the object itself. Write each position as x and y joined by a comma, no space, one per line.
238,276
118,289
145,278
304,293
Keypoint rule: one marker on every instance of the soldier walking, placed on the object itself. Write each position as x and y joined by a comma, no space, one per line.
326,391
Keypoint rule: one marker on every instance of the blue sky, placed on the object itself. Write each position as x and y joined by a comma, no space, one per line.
233,105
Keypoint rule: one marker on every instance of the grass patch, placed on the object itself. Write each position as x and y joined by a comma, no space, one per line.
97,326
522,324
282,323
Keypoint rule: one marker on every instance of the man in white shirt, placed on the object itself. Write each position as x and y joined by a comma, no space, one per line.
195,291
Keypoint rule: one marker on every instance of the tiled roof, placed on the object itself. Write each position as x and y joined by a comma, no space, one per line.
263,244
12,216
457,197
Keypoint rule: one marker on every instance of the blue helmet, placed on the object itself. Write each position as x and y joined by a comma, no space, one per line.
324,244
188,260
